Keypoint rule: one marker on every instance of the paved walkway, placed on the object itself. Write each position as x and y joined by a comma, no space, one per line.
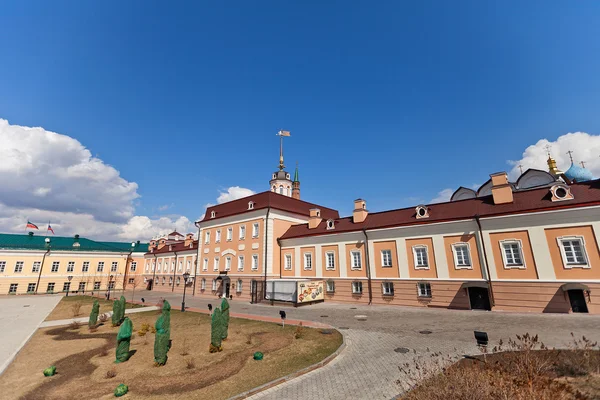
85,320
368,367
20,317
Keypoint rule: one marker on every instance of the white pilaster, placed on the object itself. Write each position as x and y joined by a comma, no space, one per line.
343,265
269,243
402,258
441,261
372,268
487,242
541,253
318,261
297,261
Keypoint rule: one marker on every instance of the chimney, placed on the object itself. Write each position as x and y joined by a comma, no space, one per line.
152,245
189,238
315,218
161,243
360,211
501,189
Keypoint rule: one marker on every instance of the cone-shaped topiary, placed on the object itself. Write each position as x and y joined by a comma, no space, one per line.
50,371
216,331
123,339
116,315
122,308
162,338
121,390
94,314
225,317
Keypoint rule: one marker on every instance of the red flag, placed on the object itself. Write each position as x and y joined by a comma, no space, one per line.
31,225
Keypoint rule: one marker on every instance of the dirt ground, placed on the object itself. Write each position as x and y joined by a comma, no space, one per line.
83,358
64,309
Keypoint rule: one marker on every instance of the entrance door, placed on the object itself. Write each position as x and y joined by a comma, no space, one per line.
577,299
227,285
256,291
479,299
149,284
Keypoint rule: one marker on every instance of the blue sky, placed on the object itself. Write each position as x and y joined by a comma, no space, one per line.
390,101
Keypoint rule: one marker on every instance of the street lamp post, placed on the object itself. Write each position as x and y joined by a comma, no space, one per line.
109,286
69,287
185,279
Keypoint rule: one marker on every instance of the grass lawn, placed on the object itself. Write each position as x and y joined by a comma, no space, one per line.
83,358
65,308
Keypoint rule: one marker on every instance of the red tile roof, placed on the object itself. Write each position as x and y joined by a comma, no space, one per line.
174,233
176,246
585,194
264,200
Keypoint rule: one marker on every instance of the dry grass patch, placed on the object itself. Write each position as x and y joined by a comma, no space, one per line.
82,368
81,306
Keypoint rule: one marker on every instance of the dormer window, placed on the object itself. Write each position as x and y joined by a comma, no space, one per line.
330,224
561,192
422,212
287,176
274,176
212,214
250,205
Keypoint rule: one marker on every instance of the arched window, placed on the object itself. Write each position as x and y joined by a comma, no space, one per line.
281,189
238,287
203,284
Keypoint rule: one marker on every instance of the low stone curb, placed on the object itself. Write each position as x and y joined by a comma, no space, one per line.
61,322
293,375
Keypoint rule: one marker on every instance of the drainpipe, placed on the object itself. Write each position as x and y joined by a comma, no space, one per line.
197,258
41,269
280,266
125,275
154,271
485,259
174,271
368,266
266,252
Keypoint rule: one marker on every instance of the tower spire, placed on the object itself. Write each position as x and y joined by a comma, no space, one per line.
281,134
296,184
570,153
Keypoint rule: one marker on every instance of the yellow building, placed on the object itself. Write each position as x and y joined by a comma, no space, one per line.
52,264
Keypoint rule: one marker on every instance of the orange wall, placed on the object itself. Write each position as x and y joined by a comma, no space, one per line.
279,228
291,252
330,273
529,272
591,249
313,271
421,273
475,272
386,272
359,273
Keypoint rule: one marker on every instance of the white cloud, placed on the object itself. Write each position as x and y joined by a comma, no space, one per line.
585,148
46,176
233,193
442,196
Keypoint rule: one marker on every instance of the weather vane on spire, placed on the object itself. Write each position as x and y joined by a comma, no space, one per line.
570,153
521,168
548,147
281,134
582,164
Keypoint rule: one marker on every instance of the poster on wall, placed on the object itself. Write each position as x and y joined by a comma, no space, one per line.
310,291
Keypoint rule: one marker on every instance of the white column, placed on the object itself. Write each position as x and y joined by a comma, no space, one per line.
541,253
596,230
269,243
318,261
441,261
372,268
487,242
402,258
297,261
343,263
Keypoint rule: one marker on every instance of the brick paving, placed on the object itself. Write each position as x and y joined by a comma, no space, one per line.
368,367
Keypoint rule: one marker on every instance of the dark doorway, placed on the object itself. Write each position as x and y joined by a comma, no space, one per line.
479,298
256,291
577,299
149,284
227,285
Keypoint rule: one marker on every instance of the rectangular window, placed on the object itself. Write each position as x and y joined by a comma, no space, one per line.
131,281
100,266
387,288
36,266
288,262
203,284
81,287
205,265
330,287
424,289
50,288
357,287
238,286
111,285
86,266
227,263
254,262
308,261
573,252
55,266
242,232
19,266
330,256
229,234
31,288
113,266
70,266
216,264
207,238
511,252
356,260
218,236
67,287
180,267
420,257
2,266
133,266
386,258
255,230
462,259
96,285
214,285
240,263
188,266
13,288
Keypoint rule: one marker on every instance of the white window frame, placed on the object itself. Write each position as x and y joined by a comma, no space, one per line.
70,266
85,267
387,288
242,232
50,287
254,262
328,266
563,254
36,266
19,266
228,263
96,285
205,265
114,266
355,286
415,249
330,286
214,285
218,236
422,290
13,287
229,234
2,266
203,284
238,286
308,258
100,266
133,266
455,253
288,262
81,287
207,237
354,266
30,287
384,257
240,266
505,261
255,230
55,264
216,264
